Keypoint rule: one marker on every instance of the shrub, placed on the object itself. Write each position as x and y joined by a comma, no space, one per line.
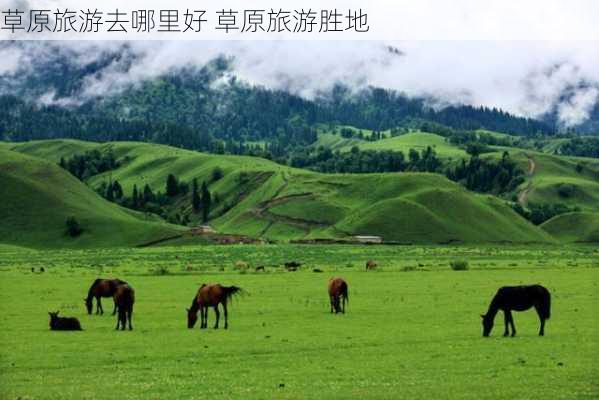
217,174
459,265
161,271
73,227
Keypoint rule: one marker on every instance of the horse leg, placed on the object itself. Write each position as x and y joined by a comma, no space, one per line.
114,309
118,321
542,319
332,299
226,315
130,313
98,305
512,324
343,305
506,318
203,317
217,316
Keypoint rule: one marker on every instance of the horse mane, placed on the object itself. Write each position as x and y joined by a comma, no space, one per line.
96,282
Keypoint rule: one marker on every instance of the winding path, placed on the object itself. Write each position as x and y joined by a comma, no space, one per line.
523,195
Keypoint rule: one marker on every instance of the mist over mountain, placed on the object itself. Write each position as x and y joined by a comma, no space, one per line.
160,93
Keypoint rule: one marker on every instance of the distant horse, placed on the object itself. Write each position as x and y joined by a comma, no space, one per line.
371,264
124,298
338,295
210,296
518,298
63,323
101,288
292,265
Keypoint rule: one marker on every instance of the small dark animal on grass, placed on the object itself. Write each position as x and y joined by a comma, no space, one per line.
63,323
517,298
317,270
42,269
210,296
338,295
124,298
260,268
371,264
101,288
292,264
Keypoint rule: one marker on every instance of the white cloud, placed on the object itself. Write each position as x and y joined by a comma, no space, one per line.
526,78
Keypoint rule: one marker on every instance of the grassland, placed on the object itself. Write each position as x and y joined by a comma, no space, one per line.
412,329
282,203
40,196
413,140
574,227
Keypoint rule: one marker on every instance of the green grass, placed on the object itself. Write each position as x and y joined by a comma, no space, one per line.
412,140
574,227
282,203
406,334
40,196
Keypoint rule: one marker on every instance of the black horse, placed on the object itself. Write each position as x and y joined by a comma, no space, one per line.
518,298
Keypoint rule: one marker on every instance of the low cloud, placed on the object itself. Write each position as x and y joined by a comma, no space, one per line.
525,78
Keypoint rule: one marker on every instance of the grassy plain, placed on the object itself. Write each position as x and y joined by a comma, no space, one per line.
412,329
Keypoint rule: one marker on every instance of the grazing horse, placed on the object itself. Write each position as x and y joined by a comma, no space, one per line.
124,297
210,296
518,298
63,323
371,264
101,288
338,292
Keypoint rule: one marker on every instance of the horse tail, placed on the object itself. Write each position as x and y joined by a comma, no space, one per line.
547,311
346,293
230,291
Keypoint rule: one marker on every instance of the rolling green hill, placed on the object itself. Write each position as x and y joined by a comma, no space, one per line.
263,199
412,140
574,227
39,196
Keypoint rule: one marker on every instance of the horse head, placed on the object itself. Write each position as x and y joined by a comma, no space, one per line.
88,304
192,318
487,324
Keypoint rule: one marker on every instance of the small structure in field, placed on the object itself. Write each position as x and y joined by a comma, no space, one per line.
368,239
202,230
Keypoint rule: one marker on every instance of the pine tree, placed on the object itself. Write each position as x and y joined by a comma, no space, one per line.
196,201
172,186
109,195
135,198
206,202
117,190
148,196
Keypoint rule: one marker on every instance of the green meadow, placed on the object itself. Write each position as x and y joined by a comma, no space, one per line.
412,327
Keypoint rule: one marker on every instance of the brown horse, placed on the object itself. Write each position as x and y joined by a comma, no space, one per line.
210,296
338,292
101,288
371,265
124,297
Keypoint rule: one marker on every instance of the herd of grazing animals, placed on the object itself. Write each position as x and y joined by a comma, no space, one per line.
507,299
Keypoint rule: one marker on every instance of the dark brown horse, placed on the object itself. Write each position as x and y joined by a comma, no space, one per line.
210,296
124,298
338,295
101,288
63,323
518,298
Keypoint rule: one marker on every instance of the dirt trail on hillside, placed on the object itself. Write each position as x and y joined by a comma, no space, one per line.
523,195
262,211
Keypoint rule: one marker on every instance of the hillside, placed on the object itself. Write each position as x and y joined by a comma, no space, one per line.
260,198
412,140
40,196
574,227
